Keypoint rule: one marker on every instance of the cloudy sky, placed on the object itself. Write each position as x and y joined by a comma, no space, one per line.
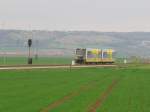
97,15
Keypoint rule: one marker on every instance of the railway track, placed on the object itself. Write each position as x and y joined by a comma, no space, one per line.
19,67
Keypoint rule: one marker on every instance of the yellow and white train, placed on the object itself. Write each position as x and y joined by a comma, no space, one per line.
94,56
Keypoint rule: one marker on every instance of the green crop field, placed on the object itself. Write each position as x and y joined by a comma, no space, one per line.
40,60
78,90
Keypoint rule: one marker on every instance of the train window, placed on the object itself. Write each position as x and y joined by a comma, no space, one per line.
80,52
91,55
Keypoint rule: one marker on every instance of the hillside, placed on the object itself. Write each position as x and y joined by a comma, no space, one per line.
64,42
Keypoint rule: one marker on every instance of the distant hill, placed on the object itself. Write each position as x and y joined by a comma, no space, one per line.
64,42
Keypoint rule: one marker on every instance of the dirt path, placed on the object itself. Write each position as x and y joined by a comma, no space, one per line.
50,66
59,102
83,88
65,98
103,97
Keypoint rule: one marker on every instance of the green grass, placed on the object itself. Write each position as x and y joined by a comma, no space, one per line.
40,60
34,90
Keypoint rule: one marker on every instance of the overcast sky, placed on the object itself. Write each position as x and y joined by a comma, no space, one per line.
97,15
